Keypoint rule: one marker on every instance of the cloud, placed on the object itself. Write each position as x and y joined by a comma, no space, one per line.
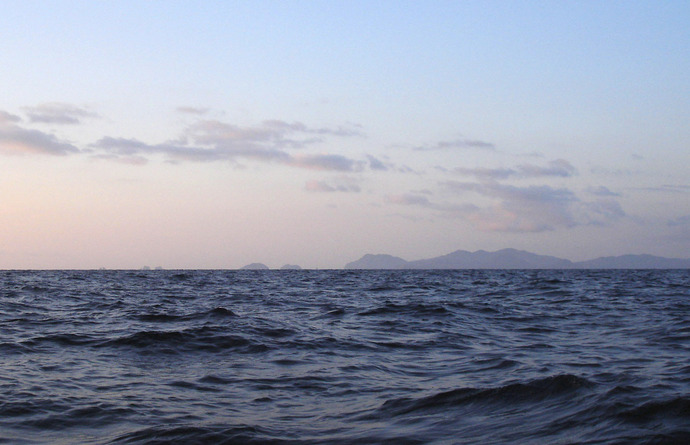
484,173
376,164
204,141
277,133
669,188
319,186
15,139
679,230
181,152
331,162
343,184
559,167
123,145
192,110
681,221
300,127
602,211
494,189
556,168
407,170
521,209
213,140
417,199
57,113
409,199
7,118
213,132
601,191
535,208
457,144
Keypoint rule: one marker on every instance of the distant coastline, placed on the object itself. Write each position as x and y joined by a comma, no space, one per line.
500,259
516,259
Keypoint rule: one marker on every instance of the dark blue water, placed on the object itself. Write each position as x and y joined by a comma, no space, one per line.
345,357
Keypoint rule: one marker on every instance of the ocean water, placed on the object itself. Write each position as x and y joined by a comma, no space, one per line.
345,357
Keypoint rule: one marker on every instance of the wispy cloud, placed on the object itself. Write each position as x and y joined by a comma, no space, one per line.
192,110
220,152
123,146
376,164
204,141
601,212
668,188
277,133
679,230
681,221
213,140
555,168
518,209
15,139
7,118
457,144
601,191
558,167
521,209
536,208
325,162
58,113
343,184
418,199
483,173
409,199
182,152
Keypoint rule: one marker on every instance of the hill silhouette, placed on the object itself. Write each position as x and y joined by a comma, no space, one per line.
516,259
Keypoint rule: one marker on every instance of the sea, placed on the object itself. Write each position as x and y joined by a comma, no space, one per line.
345,357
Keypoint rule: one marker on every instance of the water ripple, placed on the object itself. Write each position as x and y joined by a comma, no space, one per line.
344,357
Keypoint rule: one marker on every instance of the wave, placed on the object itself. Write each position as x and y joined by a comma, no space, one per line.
407,309
249,434
30,405
207,339
198,435
218,312
677,408
530,392
8,348
344,357
100,414
63,340
41,413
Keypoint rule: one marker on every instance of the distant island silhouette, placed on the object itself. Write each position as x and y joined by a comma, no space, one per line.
502,259
255,266
516,259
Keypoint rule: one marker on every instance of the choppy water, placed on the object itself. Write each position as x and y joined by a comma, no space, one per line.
345,357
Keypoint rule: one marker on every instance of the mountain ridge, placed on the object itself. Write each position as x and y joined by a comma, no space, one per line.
516,259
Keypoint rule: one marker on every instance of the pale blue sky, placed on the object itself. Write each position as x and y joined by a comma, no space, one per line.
214,134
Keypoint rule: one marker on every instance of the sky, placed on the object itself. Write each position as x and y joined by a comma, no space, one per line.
215,134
